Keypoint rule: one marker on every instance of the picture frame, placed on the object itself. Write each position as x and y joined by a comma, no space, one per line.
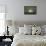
30,10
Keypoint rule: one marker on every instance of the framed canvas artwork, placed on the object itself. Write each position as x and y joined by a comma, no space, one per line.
31,10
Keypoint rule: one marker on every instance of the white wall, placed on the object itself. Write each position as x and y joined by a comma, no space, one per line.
15,9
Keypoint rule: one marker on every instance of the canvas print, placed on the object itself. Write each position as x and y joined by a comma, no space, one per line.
31,10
